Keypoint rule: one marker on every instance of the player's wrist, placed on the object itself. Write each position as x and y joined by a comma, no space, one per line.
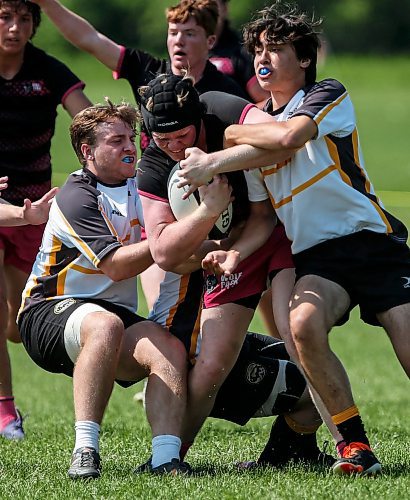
235,253
214,166
207,212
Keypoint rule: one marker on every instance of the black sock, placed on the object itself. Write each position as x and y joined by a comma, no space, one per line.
284,444
353,430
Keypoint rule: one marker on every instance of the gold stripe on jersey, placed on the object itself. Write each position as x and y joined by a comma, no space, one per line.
194,337
322,114
87,250
108,222
135,222
275,168
61,277
389,229
26,295
334,154
302,187
183,285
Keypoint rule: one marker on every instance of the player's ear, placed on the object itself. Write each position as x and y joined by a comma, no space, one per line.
211,41
86,152
304,63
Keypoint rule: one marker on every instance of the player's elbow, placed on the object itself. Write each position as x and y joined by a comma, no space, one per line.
115,274
292,140
166,264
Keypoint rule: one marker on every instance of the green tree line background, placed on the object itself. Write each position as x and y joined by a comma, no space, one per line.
350,26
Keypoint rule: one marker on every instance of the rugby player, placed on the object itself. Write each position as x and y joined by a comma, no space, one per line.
177,119
341,261
78,310
33,85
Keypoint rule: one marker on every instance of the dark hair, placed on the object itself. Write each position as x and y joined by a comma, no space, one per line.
83,129
205,13
282,23
33,8
169,103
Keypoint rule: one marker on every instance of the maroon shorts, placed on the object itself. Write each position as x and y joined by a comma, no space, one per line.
251,276
21,245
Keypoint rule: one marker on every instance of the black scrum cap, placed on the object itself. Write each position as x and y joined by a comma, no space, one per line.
170,103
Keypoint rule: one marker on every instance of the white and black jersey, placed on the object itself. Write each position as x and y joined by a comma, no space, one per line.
323,192
88,220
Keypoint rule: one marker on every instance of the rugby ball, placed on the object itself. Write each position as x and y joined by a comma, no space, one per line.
181,208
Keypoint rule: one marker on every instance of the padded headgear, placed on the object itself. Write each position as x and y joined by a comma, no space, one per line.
173,104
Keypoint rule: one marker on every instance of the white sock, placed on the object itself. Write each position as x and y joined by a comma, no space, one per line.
86,435
164,449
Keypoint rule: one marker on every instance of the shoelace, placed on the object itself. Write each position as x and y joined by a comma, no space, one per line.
87,459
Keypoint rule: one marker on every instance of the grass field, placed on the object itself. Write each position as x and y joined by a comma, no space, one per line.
37,467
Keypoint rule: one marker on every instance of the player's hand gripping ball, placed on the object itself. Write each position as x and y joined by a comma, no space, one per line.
182,208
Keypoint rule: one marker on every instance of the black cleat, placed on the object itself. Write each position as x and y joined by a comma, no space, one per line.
173,468
85,464
357,458
145,467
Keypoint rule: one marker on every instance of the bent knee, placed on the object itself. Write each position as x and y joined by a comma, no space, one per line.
102,328
210,373
307,329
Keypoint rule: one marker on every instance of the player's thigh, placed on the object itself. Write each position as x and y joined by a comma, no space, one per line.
282,286
396,322
147,346
317,304
16,281
223,330
150,282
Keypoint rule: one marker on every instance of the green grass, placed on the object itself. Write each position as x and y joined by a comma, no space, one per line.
37,467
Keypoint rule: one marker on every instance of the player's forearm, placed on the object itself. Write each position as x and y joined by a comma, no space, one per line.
245,157
195,261
73,27
10,215
177,242
255,234
127,261
275,136
78,31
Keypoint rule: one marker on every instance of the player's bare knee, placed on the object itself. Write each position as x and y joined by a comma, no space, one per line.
307,330
103,330
211,373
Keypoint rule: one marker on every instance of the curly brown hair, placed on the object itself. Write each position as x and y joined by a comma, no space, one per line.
83,129
283,23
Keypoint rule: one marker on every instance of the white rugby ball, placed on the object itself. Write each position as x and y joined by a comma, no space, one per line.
181,208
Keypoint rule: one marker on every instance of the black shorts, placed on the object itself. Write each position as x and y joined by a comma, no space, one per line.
42,331
373,268
262,376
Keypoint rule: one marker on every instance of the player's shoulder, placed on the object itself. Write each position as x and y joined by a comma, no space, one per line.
216,102
79,189
327,85
153,171
225,108
37,57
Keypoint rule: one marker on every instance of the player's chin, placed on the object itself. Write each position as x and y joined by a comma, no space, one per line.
178,156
